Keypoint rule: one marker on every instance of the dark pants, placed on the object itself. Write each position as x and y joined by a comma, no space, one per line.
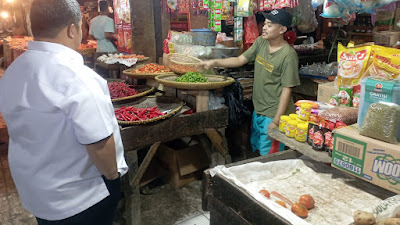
100,214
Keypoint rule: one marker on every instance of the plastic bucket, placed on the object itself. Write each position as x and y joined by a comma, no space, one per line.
204,37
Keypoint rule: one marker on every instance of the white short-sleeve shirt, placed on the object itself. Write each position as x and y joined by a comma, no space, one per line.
54,106
98,26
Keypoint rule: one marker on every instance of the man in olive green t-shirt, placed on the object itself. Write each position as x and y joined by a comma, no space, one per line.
275,74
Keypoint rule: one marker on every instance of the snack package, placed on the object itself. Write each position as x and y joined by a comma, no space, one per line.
385,64
347,115
352,64
382,122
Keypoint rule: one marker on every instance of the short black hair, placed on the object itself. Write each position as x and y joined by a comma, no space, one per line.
103,6
49,17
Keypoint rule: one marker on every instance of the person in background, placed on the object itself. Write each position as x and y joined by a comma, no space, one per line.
65,150
275,74
102,29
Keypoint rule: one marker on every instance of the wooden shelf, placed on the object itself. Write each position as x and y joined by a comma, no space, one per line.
303,148
361,34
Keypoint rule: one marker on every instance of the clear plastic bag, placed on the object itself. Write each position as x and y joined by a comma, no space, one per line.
382,122
307,22
347,115
316,3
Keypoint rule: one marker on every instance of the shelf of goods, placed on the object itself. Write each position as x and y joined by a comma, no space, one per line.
303,148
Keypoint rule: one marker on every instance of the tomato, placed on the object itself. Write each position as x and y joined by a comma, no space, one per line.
307,201
300,210
265,193
281,203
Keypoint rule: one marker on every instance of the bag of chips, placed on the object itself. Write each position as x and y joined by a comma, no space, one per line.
385,64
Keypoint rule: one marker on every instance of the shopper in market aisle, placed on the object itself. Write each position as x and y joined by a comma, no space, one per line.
65,150
275,74
102,29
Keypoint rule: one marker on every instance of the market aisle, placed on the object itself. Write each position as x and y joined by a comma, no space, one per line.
11,210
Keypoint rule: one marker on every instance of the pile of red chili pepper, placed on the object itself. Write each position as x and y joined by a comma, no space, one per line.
137,114
121,90
152,68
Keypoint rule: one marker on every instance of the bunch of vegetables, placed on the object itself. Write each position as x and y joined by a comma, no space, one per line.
137,114
121,90
192,77
152,68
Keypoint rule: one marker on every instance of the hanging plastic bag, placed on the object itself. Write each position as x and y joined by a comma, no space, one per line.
316,3
238,112
331,9
307,22
250,32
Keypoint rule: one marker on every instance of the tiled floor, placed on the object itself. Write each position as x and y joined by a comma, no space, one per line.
11,210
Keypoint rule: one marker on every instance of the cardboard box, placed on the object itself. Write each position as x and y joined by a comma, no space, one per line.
185,163
372,160
325,91
386,38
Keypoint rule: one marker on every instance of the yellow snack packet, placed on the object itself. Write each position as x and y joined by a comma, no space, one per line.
352,64
385,64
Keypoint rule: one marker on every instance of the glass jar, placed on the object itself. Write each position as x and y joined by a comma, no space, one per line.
283,123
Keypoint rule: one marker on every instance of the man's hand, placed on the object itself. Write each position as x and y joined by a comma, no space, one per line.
205,65
272,125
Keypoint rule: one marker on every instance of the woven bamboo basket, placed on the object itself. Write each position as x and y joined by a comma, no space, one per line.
141,59
180,69
171,105
144,90
129,72
87,51
182,59
214,82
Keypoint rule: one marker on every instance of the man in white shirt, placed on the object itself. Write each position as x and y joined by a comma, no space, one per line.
102,29
65,149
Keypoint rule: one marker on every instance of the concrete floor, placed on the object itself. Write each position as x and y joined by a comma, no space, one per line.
166,206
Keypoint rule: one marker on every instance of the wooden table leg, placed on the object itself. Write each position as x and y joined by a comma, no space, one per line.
132,211
146,162
218,141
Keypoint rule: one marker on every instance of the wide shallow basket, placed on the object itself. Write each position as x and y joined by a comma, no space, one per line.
141,59
130,73
143,89
182,59
165,104
182,69
214,82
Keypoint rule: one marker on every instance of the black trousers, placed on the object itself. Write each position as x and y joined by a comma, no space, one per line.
101,213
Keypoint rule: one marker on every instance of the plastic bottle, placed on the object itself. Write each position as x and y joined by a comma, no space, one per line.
305,111
301,132
291,128
283,123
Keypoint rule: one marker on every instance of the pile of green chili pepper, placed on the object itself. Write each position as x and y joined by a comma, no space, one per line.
192,77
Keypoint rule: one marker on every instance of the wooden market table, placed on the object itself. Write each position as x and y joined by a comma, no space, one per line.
211,123
231,204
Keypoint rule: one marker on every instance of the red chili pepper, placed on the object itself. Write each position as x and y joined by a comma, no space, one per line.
121,89
133,114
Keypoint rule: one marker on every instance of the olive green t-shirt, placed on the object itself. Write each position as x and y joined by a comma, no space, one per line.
272,72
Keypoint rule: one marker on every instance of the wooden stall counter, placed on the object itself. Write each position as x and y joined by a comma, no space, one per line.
212,123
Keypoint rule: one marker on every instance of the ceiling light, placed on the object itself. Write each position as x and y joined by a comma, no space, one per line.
4,15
